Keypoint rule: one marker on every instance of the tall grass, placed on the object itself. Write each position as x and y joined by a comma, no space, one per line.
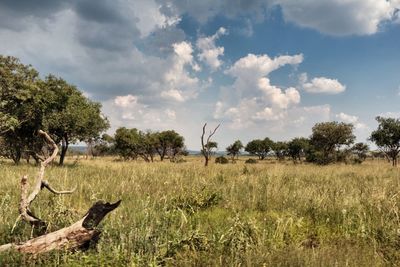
265,214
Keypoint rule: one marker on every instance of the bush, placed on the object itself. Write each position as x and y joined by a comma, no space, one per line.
251,161
221,160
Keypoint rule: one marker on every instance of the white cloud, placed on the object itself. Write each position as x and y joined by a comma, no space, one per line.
252,98
277,97
173,94
321,85
258,66
209,52
180,85
351,119
339,17
390,114
347,118
125,101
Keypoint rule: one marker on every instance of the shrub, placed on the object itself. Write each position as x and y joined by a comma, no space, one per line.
221,160
251,161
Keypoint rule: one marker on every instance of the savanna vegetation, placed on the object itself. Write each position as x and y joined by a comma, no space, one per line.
321,200
271,213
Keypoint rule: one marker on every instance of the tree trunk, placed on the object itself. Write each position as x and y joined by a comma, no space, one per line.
64,148
207,158
16,157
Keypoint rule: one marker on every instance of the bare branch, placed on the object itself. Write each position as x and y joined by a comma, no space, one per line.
212,133
205,147
25,203
47,185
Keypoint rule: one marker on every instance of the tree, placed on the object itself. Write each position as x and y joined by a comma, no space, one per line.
360,150
72,117
328,137
260,148
21,108
28,104
234,149
126,142
207,145
280,149
387,137
169,143
297,148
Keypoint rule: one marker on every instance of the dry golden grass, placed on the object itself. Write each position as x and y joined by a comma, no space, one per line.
270,213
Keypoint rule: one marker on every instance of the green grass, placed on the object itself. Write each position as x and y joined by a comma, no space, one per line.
265,214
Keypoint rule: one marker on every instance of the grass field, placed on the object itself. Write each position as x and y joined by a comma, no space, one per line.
265,214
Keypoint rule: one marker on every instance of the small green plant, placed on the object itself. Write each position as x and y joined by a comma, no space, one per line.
251,161
221,160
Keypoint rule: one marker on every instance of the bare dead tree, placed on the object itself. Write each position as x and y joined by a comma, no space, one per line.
206,146
74,236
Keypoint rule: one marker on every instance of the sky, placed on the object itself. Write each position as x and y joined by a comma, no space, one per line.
260,68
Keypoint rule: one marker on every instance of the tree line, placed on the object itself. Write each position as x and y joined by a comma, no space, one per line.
29,103
329,142
131,144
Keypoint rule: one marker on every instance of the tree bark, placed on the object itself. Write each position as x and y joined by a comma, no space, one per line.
64,149
74,236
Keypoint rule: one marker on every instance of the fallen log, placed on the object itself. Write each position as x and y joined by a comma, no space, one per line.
72,237
77,235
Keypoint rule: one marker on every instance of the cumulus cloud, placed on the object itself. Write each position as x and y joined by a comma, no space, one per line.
334,17
209,52
337,17
125,101
321,85
252,97
351,119
180,84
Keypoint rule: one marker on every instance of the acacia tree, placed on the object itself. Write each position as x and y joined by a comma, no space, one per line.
387,137
360,150
260,148
207,145
327,138
234,149
21,108
280,149
297,148
126,142
169,143
28,104
72,116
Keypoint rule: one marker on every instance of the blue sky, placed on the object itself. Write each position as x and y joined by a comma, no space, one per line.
259,67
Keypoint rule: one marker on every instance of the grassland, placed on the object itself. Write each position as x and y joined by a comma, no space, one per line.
265,214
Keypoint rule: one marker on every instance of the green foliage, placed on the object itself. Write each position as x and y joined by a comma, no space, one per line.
234,149
169,143
327,139
387,137
259,147
251,161
280,149
221,160
360,150
29,104
297,148
132,143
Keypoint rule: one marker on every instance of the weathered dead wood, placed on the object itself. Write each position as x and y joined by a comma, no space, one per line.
26,200
74,236
206,148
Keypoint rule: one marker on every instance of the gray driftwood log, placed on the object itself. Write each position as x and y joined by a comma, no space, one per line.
74,236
